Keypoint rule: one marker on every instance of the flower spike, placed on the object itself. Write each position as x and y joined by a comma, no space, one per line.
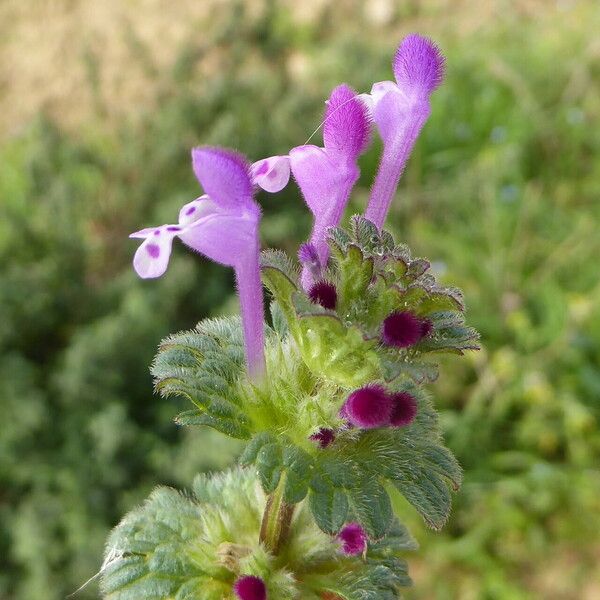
400,110
326,175
222,225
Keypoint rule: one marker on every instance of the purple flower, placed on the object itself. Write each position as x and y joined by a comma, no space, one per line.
326,175
324,437
368,407
401,329
271,174
404,409
222,225
249,587
400,110
353,538
323,293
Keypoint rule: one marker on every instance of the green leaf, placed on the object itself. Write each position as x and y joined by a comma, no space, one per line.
329,506
269,466
204,365
372,507
298,468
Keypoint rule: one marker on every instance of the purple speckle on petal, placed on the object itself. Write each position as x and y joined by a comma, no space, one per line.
249,587
272,174
353,538
157,232
324,437
153,250
190,211
173,228
404,409
264,167
368,407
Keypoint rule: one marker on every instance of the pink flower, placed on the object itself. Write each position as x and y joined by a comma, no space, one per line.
326,175
400,110
222,225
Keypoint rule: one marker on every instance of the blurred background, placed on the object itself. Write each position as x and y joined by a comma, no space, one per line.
100,103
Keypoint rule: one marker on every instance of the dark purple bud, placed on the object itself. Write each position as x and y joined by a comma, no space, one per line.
368,407
323,293
249,587
401,329
324,437
353,538
426,327
404,409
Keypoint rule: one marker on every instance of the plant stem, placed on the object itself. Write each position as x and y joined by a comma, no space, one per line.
276,520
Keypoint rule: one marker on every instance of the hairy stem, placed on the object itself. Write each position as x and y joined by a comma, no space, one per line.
276,520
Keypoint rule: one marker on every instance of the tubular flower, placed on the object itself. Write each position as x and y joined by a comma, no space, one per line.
400,110
326,175
222,225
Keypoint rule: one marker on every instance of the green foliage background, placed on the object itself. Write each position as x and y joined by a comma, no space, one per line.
501,192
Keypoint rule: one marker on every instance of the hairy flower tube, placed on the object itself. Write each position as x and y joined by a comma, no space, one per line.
327,175
400,110
222,225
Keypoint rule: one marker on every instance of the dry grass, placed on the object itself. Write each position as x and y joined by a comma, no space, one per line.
72,58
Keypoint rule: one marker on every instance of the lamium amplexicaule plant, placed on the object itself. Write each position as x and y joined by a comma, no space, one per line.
329,398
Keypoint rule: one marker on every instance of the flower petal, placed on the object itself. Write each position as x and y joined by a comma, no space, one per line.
317,175
224,175
224,236
271,174
142,233
152,257
196,209
346,128
418,65
391,111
